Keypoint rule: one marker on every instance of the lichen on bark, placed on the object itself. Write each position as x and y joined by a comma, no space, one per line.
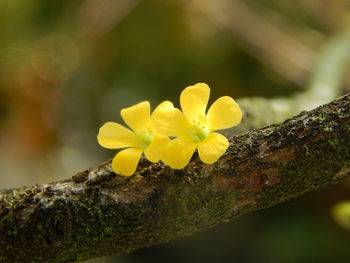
98,213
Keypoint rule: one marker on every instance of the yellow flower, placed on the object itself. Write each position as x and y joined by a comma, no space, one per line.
194,127
142,139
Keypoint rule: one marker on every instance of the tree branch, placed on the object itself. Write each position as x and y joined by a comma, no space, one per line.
97,213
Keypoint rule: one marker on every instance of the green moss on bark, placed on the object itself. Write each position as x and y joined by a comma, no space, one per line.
98,213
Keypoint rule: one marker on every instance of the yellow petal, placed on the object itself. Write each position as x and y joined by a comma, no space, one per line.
113,136
178,152
170,122
154,151
224,113
164,104
137,117
212,148
194,100
125,162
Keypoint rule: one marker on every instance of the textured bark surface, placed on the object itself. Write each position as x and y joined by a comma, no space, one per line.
98,213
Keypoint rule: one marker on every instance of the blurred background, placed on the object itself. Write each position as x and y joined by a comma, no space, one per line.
66,67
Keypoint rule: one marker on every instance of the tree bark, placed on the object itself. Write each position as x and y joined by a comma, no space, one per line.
98,213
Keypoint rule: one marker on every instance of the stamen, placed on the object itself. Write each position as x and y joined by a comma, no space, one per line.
199,132
145,138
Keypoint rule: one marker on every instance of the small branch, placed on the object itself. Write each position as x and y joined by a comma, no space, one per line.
97,213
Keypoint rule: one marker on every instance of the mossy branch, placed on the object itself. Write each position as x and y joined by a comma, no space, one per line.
97,213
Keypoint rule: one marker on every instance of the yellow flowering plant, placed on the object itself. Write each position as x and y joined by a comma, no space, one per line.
142,138
194,127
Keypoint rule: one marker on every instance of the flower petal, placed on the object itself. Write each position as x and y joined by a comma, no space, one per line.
178,152
125,162
224,113
164,104
113,136
212,148
194,100
137,117
170,122
154,151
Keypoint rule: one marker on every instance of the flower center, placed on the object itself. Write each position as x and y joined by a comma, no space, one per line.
145,138
200,132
